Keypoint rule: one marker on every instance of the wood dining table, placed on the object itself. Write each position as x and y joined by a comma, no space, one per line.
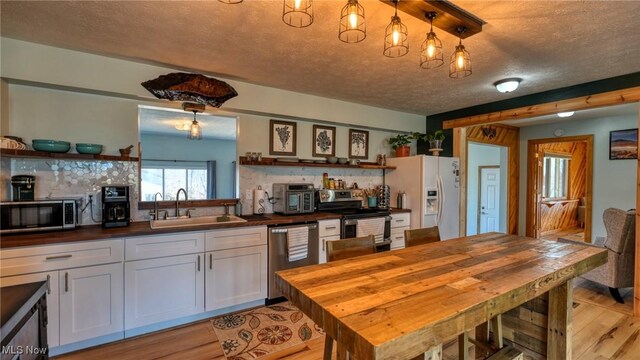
399,304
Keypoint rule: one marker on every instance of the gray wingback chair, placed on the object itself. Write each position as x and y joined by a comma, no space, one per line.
620,241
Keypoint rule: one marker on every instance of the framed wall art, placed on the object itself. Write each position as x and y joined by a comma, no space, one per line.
282,138
358,144
623,144
324,140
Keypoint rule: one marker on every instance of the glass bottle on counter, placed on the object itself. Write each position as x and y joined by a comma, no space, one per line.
325,180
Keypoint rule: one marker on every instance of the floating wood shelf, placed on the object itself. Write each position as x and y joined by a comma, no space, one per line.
274,162
550,203
72,156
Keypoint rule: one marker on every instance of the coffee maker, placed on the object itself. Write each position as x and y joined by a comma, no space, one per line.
115,206
23,187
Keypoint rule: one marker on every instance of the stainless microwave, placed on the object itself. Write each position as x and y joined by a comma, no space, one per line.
38,215
293,198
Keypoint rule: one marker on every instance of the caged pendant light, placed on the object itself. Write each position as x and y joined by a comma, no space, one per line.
460,62
195,131
431,54
298,13
396,42
352,26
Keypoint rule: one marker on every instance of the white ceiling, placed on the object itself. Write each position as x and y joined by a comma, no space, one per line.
550,44
160,121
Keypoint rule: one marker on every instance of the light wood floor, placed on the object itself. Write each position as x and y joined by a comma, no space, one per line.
575,233
602,329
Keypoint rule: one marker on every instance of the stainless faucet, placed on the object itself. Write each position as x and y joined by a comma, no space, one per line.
178,200
155,213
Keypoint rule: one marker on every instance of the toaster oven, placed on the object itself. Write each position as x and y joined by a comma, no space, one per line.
293,198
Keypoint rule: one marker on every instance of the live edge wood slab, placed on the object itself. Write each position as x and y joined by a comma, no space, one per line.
398,304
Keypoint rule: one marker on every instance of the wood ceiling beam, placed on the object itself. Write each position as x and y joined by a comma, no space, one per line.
616,97
449,18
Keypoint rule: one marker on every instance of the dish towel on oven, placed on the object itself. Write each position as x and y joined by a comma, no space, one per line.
297,243
373,226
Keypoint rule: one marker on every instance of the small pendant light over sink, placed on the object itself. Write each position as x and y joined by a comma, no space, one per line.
396,36
195,131
352,26
460,63
298,13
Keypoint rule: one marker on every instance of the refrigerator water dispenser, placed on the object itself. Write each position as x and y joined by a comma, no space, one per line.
432,202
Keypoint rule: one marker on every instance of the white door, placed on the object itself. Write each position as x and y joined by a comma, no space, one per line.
53,331
90,302
163,289
489,211
235,276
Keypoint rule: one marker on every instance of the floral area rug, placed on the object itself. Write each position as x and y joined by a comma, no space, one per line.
264,331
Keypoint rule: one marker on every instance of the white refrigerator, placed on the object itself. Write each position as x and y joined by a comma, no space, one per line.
432,185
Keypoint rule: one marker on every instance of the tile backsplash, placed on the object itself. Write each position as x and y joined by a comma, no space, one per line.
265,176
73,178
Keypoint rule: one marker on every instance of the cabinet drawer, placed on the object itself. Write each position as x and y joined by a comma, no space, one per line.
397,237
400,220
26,260
148,247
328,227
235,238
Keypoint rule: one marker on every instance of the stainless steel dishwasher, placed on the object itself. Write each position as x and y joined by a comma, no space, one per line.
278,259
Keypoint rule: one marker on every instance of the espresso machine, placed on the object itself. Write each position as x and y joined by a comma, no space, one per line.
24,187
116,208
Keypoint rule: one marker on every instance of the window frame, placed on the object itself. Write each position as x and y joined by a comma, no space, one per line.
546,180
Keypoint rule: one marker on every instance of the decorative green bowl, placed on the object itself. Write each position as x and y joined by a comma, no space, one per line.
88,148
51,145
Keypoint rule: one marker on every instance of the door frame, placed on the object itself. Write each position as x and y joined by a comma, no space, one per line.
532,170
480,190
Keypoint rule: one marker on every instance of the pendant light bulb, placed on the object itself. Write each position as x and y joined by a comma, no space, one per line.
396,42
352,25
195,131
431,55
297,13
460,62
296,4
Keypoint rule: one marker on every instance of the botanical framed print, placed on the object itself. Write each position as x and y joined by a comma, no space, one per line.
282,138
324,140
623,144
358,144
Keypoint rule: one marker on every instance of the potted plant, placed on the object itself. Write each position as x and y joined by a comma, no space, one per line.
400,143
435,139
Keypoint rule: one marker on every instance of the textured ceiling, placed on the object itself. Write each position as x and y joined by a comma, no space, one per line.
161,121
550,44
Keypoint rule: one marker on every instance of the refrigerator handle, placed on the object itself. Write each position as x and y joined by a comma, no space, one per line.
441,200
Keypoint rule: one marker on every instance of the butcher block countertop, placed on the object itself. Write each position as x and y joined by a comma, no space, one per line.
96,232
399,304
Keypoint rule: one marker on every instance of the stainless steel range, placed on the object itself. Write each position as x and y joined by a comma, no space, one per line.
356,220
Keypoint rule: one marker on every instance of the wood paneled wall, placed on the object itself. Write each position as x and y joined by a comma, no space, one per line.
504,136
565,215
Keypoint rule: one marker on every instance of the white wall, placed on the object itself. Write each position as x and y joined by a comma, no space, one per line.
614,181
164,147
484,155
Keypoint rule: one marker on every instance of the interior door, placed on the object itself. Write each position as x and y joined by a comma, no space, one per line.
489,212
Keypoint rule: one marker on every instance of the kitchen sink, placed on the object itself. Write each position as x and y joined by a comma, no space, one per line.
195,221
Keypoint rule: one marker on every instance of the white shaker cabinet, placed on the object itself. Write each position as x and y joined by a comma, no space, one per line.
328,230
163,289
91,302
399,223
165,280
236,271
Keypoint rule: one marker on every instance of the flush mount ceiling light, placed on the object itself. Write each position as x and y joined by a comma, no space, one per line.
460,63
298,13
230,1
431,55
352,26
507,85
395,36
566,114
